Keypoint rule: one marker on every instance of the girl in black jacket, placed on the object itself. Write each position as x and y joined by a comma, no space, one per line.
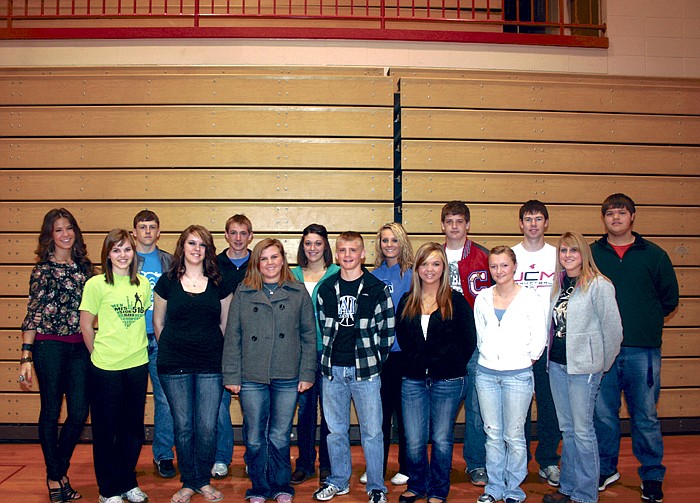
437,336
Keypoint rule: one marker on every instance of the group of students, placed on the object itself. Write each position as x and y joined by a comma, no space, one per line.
410,340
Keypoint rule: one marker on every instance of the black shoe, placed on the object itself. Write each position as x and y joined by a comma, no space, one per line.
651,491
410,498
165,468
68,493
299,476
605,480
323,474
55,493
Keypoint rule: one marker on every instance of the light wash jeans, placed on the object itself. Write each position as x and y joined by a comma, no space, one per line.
636,373
574,398
504,398
268,410
163,436
337,393
429,410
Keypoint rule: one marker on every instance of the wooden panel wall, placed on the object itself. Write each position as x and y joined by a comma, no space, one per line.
286,146
497,139
293,145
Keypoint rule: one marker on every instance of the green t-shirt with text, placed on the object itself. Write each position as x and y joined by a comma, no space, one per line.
120,342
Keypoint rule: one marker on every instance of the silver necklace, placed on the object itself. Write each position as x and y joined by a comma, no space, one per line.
271,290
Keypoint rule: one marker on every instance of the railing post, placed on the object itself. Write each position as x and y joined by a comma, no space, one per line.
382,7
196,13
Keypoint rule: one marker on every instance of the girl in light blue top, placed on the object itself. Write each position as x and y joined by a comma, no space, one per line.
315,260
393,265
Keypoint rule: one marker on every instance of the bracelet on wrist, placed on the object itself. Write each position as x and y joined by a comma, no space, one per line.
26,359
27,347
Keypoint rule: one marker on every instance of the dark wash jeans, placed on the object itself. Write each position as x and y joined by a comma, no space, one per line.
117,403
307,418
61,369
194,403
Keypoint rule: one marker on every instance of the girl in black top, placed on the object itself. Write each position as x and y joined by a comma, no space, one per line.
189,317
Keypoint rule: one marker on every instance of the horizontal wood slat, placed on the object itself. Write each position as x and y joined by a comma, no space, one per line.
686,315
501,218
681,342
19,248
553,96
196,121
443,155
80,71
197,89
537,77
200,185
267,217
562,189
548,126
24,408
682,251
14,279
181,152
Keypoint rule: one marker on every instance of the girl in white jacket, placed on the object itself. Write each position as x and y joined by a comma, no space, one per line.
511,335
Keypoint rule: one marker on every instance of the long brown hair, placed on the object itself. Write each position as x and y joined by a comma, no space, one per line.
589,269
253,276
211,267
46,247
412,307
114,238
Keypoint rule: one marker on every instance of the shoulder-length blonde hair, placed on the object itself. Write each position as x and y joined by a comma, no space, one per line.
253,276
211,266
589,270
405,249
116,237
444,294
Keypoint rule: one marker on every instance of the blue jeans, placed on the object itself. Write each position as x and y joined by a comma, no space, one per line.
224,431
61,369
504,398
307,419
268,410
337,392
429,411
548,433
163,436
194,400
637,373
474,449
574,397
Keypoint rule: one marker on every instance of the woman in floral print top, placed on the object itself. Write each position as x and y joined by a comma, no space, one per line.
52,340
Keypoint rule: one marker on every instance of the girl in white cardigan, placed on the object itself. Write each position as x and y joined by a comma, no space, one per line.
511,335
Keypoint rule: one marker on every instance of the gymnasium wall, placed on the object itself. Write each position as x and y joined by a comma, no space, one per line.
352,148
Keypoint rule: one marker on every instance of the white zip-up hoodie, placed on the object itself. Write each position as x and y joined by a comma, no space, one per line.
518,339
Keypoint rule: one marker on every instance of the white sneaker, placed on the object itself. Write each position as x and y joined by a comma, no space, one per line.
363,478
551,474
399,479
135,495
111,499
327,492
220,470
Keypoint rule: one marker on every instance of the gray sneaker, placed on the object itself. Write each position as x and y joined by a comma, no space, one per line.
377,496
551,474
478,476
327,491
135,495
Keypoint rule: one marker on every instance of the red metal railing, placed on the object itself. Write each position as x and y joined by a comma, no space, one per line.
537,22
